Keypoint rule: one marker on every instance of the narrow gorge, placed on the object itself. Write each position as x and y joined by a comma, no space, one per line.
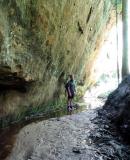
41,43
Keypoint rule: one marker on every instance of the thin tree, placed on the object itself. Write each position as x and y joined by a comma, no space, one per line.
125,63
117,42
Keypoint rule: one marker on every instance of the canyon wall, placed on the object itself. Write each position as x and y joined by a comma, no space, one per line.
41,42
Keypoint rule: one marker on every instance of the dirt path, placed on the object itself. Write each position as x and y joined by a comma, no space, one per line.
63,138
81,136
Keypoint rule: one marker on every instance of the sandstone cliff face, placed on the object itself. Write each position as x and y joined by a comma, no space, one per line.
41,41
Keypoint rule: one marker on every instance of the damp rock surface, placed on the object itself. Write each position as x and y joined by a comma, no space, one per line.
42,41
83,136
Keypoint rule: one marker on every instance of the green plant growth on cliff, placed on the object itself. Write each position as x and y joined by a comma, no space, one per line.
55,108
49,110
118,5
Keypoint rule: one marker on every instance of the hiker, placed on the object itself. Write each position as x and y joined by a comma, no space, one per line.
70,91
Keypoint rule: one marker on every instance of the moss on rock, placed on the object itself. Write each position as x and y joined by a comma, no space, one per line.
42,41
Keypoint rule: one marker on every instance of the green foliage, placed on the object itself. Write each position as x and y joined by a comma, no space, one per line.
118,5
80,92
51,109
116,2
55,108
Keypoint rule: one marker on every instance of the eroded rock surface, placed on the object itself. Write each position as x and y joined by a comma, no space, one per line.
41,42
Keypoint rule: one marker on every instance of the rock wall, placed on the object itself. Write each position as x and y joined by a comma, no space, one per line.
41,42
117,108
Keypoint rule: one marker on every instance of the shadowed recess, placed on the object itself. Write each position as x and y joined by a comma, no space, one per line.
88,17
10,81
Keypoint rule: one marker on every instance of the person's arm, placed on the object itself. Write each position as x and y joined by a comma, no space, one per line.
66,86
69,91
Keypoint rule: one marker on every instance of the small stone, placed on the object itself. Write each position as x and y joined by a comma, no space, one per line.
76,150
58,119
125,126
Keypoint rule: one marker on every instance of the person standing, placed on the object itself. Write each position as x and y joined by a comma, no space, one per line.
70,89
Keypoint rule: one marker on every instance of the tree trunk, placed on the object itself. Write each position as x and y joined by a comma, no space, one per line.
125,63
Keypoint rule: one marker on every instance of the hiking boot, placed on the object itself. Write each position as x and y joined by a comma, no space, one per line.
69,108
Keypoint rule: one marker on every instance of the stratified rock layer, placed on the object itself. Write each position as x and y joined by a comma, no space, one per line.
41,42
